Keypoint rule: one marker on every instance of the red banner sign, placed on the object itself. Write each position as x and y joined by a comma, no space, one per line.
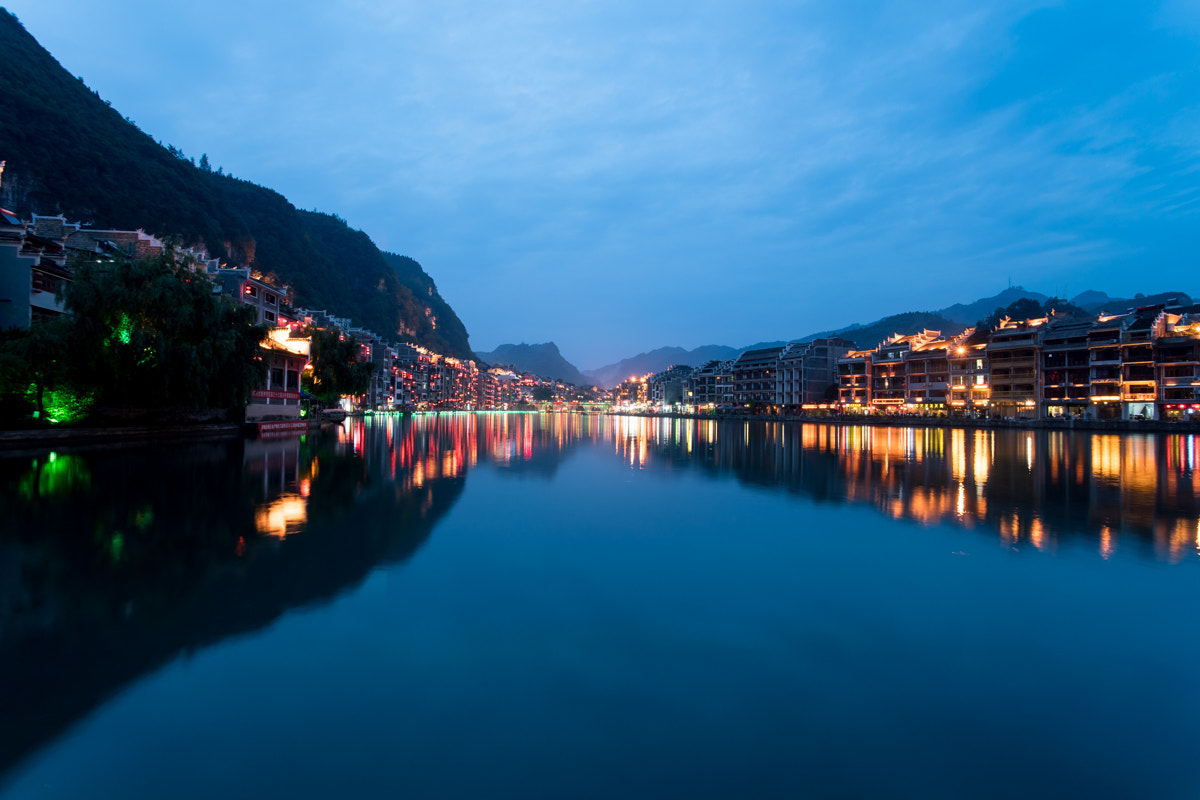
274,394
281,428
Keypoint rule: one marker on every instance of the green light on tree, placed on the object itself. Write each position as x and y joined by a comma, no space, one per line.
125,330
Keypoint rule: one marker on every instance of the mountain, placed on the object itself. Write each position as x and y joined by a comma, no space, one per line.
906,324
69,152
765,345
657,361
949,321
448,334
1099,301
970,313
1090,298
540,359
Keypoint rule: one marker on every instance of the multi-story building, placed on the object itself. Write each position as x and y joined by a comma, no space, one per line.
1177,363
854,381
632,392
889,370
1012,352
807,371
37,257
710,385
280,398
970,392
927,377
269,302
666,387
753,377
1065,367
1139,390
1104,346
17,264
486,390
700,388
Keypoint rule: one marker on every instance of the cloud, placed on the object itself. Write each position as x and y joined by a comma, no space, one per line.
630,175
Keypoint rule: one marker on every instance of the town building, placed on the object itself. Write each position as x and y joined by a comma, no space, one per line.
280,399
1013,351
1104,349
927,377
1065,367
1177,363
854,382
889,370
666,387
710,385
269,302
633,392
1139,390
753,377
807,373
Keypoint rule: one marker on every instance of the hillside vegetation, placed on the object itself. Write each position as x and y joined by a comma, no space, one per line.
69,152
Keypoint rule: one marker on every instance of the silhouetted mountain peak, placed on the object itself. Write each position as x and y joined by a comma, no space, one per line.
540,359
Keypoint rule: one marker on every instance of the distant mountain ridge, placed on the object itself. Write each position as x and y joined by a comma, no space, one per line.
970,313
949,321
540,359
656,361
1099,301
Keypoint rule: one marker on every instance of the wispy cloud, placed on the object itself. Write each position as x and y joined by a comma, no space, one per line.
633,175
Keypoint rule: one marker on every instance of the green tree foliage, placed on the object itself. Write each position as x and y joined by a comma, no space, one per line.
33,364
448,334
336,368
543,394
1060,305
100,168
905,324
1028,308
153,334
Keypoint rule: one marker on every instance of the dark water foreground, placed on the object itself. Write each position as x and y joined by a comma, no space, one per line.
539,606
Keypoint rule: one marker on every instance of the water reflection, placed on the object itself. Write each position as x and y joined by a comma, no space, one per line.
114,563
1029,488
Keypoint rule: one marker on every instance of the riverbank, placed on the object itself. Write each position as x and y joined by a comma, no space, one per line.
895,421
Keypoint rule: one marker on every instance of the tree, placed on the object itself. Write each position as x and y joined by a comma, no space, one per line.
1024,308
42,353
1063,306
336,368
543,394
153,334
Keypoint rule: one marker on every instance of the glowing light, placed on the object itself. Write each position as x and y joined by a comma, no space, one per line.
281,517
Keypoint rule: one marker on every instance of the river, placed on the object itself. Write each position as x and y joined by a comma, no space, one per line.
525,605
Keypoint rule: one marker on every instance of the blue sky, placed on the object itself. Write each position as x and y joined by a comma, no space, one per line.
618,176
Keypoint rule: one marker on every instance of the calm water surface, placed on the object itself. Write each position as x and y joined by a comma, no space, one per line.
550,607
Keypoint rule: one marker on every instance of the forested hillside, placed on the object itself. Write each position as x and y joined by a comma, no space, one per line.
69,152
